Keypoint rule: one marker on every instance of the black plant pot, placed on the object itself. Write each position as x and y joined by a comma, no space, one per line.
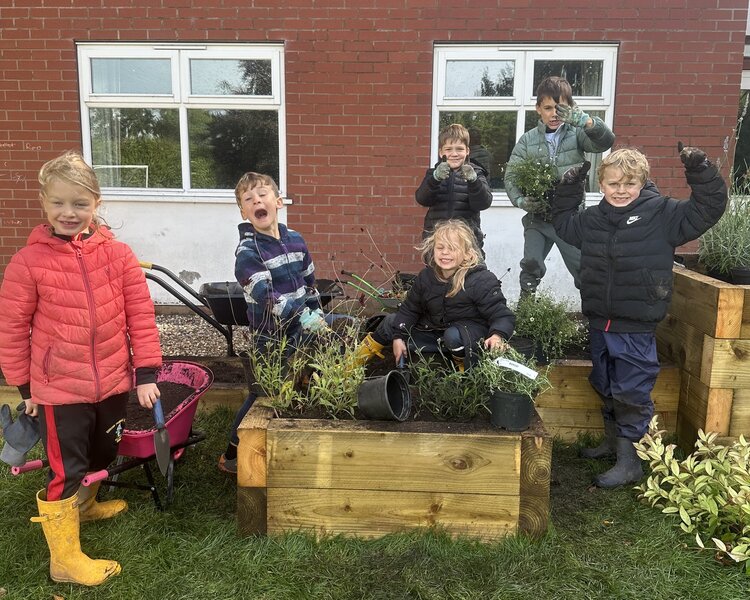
740,275
524,346
511,411
720,275
385,398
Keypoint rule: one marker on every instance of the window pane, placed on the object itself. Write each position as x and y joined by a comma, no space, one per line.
131,76
532,118
472,78
584,76
230,77
224,144
493,135
136,147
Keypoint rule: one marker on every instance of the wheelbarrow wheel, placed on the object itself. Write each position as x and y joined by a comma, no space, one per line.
170,480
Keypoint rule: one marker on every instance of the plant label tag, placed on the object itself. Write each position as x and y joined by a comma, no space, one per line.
516,366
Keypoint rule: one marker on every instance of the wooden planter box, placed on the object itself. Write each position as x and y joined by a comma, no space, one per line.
572,406
707,335
371,478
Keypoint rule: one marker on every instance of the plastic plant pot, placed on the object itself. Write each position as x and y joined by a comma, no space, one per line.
511,411
385,398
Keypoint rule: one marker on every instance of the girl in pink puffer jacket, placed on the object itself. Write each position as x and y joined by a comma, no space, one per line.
77,317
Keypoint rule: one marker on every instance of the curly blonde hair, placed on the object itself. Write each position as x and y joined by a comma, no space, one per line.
455,234
630,161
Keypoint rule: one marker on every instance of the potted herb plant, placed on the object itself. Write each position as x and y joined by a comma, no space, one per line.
550,323
725,248
514,381
272,372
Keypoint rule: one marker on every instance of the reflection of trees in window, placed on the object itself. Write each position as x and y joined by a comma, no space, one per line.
226,143
502,87
584,76
256,79
136,136
498,135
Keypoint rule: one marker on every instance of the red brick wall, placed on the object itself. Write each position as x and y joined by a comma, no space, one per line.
358,91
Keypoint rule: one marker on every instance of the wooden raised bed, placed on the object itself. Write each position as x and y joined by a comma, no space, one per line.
707,335
572,406
371,478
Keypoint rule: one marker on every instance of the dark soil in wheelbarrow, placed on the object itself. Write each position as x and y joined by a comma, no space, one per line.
172,395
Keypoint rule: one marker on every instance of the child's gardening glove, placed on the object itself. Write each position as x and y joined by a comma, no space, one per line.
442,171
20,436
312,321
694,159
571,114
468,173
530,204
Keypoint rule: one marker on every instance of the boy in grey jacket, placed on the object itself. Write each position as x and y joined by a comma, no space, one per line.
563,134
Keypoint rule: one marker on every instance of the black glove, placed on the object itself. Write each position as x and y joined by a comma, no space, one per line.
694,159
442,171
576,174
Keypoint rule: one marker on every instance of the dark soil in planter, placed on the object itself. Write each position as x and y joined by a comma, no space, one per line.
138,418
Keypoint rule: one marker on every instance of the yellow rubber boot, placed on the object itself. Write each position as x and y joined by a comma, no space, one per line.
459,362
61,525
367,348
91,510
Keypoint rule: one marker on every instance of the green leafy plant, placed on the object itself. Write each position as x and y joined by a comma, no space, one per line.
449,393
274,371
550,323
709,490
446,392
727,244
502,378
336,375
535,177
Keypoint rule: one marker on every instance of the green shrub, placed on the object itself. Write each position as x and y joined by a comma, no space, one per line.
709,490
549,322
727,244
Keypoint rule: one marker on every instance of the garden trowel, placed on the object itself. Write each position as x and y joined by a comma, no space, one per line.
161,439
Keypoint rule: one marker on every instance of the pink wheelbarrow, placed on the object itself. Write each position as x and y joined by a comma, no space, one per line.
137,446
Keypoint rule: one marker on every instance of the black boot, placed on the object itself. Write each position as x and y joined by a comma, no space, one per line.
608,447
627,469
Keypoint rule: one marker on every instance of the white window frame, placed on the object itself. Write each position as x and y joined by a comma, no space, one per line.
524,98
182,100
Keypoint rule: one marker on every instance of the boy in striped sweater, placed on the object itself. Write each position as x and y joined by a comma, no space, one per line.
276,272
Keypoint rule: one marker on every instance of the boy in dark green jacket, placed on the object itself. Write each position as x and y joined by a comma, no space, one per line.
562,136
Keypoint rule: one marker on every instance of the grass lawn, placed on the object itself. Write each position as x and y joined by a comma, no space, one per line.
602,544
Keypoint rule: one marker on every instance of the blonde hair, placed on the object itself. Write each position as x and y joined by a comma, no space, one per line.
465,242
70,167
630,161
250,180
454,132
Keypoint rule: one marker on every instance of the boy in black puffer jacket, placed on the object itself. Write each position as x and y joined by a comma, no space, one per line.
627,247
456,188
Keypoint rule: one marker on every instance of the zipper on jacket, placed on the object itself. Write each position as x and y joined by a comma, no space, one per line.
610,275
45,365
92,321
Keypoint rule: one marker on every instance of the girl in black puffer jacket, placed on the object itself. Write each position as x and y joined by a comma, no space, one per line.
455,302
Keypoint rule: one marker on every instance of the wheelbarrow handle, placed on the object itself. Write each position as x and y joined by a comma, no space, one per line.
32,465
92,478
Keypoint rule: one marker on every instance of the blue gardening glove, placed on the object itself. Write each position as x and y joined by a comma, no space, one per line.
20,437
694,159
442,171
531,205
572,115
312,321
468,173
